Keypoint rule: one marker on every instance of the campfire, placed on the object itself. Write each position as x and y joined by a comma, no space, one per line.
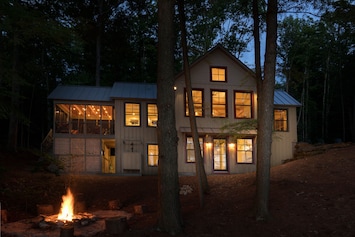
66,214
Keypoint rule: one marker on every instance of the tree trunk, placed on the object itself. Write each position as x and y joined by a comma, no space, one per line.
99,44
200,169
15,101
265,116
169,215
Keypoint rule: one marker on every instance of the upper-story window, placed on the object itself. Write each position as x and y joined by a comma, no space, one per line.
280,120
219,104
152,115
132,115
219,74
197,98
243,104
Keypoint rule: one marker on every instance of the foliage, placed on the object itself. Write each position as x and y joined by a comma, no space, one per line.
240,129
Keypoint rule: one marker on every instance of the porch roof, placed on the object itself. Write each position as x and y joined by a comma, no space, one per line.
283,98
81,93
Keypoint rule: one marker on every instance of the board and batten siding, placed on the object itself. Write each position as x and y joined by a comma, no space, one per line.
133,140
283,143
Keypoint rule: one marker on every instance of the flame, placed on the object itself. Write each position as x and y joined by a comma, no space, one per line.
67,209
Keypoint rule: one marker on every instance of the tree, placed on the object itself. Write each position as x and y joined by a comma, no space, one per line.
200,169
169,216
265,111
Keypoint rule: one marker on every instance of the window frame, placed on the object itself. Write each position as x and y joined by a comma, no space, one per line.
154,155
139,116
186,149
202,103
286,121
219,68
226,103
252,151
251,104
149,115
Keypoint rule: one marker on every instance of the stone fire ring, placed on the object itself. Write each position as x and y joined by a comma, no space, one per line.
24,228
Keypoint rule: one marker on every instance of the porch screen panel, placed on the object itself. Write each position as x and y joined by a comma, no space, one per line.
61,118
77,117
107,120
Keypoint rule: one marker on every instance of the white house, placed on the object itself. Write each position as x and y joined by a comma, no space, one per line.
113,129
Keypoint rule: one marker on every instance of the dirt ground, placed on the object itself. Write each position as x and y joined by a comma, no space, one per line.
310,196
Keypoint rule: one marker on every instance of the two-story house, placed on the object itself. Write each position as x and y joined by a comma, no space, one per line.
113,129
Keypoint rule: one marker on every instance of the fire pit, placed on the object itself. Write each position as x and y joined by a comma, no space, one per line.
65,223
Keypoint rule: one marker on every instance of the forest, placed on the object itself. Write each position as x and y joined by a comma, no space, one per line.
46,43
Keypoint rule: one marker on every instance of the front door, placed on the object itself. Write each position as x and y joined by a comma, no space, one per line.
108,154
220,154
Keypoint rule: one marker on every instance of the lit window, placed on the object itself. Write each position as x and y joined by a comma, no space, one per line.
219,104
218,74
197,98
153,155
245,151
280,120
219,154
190,149
242,104
132,112
152,115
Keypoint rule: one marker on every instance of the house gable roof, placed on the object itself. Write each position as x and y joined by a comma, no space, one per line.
125,90
220,48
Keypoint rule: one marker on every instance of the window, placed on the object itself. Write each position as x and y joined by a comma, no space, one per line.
245,151
243,104
190,149
218,74
197,98
219,104
280,120
152,115
153,155
132,115
219,154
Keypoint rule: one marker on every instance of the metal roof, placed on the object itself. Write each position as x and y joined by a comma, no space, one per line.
283,98
134,90
83,93
129,90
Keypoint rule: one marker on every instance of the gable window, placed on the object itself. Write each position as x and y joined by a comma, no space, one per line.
132,115
190,149
197,98
153,155
243,104
218,74
219,104
245,151
280,120
152,115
